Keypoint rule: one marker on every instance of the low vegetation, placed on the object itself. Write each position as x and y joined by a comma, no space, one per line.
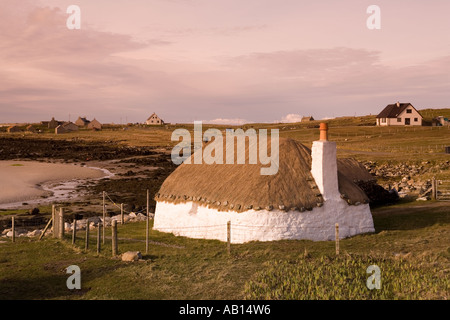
410,246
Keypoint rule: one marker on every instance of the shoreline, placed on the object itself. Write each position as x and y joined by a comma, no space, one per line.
32,181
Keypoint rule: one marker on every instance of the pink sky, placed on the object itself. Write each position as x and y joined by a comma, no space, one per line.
220,61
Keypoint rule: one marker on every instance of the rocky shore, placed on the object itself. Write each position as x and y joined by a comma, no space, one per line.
408,178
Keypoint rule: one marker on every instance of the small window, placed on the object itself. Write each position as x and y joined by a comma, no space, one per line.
383,120
408,111
416,119
399,119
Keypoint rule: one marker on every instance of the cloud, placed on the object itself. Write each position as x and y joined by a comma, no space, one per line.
233,122
48,70
291,118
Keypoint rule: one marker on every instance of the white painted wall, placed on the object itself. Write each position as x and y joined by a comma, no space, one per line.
324,168
194,221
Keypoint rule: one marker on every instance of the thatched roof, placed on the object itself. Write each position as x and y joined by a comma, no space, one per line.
240,187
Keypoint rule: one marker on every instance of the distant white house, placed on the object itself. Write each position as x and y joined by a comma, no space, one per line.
154,120
399,114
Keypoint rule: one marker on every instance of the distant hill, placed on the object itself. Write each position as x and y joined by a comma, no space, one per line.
429,114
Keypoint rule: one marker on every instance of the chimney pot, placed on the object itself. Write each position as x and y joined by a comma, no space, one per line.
398,104
323,131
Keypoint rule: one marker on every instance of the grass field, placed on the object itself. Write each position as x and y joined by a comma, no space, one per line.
355,136
410,246
411,243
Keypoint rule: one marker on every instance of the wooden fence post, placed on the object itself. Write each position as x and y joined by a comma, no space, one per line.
86,242
121,213
46,227
337,238
114,238
74,231
433,189
98,237
13,229
55,224
229,237
104,217
61,224
147,225
54,219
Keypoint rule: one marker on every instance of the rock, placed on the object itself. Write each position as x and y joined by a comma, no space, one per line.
116,218
132,215
422,199
34,211
131,256
10,234
95,220
141,217
34,233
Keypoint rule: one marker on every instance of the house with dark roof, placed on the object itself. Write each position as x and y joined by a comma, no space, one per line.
82,122
399,114
95,125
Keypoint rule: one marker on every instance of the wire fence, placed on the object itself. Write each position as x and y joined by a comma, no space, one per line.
231,232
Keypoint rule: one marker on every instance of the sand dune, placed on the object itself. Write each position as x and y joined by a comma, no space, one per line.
19,179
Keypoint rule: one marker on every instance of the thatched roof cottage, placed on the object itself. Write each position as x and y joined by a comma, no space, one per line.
311,192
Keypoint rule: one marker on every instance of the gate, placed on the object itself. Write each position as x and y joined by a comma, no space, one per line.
443,190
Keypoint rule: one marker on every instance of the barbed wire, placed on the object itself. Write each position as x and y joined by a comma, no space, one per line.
125,211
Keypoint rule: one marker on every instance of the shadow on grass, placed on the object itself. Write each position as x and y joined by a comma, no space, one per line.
38,288
411,218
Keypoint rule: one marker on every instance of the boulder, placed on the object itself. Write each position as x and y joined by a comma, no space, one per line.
34,211
34,233
10,234
141,217
131,256
95,220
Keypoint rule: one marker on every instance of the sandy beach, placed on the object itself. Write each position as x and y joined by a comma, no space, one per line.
20,180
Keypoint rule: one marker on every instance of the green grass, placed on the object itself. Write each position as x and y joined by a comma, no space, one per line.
43,210
410,246
345,277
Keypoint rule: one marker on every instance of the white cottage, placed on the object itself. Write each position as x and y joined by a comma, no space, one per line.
311,192
399,114
154,120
